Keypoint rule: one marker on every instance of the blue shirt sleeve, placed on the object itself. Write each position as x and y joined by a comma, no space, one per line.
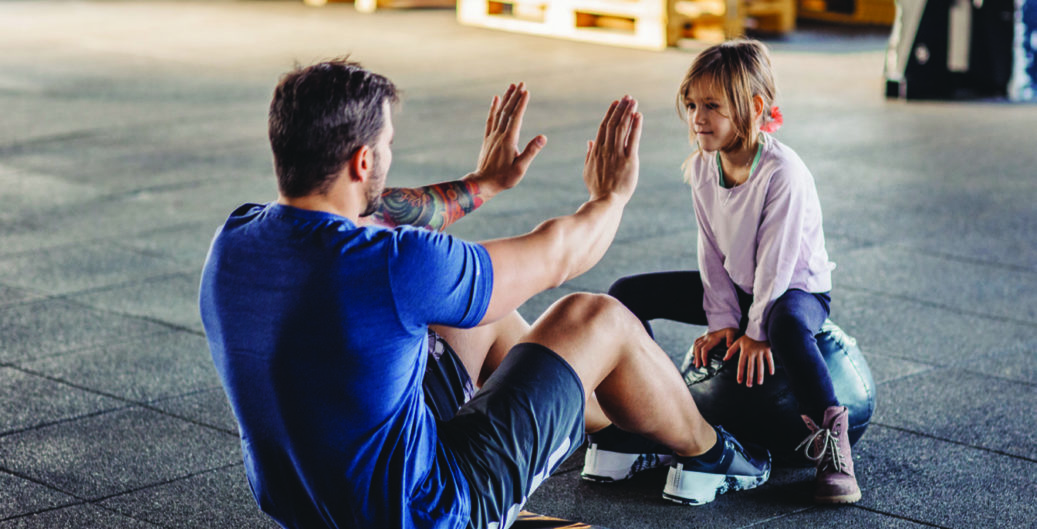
439,279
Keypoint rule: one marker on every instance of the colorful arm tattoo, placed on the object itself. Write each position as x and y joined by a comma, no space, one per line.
433,207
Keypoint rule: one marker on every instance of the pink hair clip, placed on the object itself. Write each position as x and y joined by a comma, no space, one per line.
774,123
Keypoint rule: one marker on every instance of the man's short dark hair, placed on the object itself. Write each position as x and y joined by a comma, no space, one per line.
319,116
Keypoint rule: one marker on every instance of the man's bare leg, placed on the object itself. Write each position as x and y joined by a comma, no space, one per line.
481,350
636,384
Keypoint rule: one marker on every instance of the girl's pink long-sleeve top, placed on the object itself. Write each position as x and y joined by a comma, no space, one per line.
764,235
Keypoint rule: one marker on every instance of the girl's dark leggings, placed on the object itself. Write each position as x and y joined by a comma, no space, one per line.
793,321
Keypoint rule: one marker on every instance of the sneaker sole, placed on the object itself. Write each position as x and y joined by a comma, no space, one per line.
603,466
699,488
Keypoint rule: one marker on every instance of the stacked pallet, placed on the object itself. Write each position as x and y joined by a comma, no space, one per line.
370,6
647,24
863,12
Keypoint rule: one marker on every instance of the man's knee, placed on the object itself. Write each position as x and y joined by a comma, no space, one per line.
586,317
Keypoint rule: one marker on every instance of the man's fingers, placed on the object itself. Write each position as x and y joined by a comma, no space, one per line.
770,362
501,117
531,151
590,147
625,124
634,142
491,118
515,123
508,112
616,121
604,123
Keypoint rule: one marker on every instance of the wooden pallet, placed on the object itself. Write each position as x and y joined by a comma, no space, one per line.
370,6
647,24
632,23
865,12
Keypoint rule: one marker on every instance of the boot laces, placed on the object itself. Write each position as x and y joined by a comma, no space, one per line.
826,450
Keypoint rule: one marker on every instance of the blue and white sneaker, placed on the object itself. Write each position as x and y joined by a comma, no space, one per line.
614,455
693,482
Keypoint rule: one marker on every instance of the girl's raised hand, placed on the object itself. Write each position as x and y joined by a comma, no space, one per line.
705,343
754,354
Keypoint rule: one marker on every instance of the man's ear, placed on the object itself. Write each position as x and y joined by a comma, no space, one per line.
361,164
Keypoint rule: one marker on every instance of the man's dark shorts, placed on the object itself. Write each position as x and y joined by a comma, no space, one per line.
510,435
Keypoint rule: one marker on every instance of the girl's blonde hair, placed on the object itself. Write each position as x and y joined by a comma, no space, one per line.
739,69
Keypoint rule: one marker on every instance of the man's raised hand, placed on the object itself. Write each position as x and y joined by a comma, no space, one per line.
501,166
612,165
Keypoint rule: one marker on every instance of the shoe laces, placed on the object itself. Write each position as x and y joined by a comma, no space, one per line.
826,447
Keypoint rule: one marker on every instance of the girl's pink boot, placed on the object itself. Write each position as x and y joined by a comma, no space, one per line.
829,446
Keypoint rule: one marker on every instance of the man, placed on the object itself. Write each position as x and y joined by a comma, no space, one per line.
319,328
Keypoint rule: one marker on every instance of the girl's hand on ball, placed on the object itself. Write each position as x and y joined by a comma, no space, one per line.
754,354
705,343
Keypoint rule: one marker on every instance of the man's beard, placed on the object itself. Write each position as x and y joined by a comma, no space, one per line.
374,190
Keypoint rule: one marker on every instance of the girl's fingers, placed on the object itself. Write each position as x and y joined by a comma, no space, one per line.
750,371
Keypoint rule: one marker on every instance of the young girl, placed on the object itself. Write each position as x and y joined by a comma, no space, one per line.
764,276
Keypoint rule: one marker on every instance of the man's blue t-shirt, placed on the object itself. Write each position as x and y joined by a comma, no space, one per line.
318,330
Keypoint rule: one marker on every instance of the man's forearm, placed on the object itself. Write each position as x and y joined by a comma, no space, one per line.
556,251
433,207
586,235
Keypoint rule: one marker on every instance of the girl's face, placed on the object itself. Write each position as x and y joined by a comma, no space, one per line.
708,118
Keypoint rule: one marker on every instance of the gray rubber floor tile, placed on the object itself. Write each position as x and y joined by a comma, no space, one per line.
78,267
840,517
918,331
12,295
964,407
108,454
207,407
171,299
207,200
189,502
885,369
1017,362
19,496
945,484
149,156
1008,294
638,502
24,191
28,400
149,368
84,516
186,243
49,327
